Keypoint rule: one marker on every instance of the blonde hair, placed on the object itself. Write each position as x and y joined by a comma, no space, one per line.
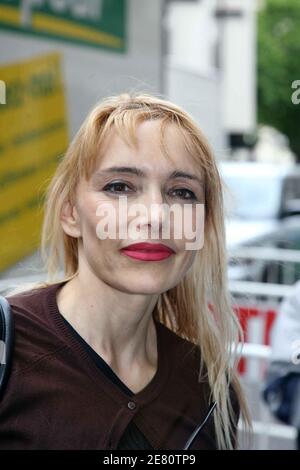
187,307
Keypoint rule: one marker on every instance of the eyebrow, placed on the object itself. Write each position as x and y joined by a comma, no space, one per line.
138,172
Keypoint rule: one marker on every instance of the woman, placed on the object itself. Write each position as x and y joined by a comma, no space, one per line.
132,348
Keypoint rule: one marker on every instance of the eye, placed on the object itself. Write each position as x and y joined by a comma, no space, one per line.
118,187
184,193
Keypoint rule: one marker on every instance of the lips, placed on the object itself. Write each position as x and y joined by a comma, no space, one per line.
148,251
149,247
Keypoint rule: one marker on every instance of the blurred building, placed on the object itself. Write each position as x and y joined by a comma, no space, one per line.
211,67
272,147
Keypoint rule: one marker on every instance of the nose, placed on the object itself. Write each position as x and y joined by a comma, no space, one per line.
154,213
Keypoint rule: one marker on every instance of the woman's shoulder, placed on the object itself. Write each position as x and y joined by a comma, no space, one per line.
185,359
31,301
28,305
34,333
188,359
181,346
26,294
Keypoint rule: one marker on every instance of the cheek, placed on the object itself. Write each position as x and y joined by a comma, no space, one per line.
110,221
89,225
94,213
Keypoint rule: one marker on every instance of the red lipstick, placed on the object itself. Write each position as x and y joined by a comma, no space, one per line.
148,251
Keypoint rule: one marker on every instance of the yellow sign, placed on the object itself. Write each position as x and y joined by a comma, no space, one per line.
33,136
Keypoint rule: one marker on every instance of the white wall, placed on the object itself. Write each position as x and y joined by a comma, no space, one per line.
239,68
226,95
192,79
198,94
193,34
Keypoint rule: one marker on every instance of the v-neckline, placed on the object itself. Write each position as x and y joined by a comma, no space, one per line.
99,359
151,390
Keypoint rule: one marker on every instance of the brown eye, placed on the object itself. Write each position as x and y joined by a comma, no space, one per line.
184,193
117,187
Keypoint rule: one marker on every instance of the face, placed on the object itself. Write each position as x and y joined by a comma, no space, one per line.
141,178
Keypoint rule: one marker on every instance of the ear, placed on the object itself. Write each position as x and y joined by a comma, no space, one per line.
70,220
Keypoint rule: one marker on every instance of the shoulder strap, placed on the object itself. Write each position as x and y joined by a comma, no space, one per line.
201,425
6,342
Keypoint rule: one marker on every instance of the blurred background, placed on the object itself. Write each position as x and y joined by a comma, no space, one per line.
234,65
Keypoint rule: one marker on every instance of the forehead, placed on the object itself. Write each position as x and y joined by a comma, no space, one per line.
148,152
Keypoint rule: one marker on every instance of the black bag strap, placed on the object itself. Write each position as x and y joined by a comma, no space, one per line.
6,342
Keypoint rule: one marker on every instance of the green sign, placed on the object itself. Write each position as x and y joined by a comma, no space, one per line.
96,23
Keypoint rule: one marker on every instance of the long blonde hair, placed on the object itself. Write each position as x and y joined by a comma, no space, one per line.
187,307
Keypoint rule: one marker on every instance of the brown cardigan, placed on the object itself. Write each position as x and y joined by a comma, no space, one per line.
57,398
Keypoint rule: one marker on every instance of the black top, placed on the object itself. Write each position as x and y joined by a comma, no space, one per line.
132,438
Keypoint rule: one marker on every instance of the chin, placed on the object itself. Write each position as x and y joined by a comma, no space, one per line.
141,286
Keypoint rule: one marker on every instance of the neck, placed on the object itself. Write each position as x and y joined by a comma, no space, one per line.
119,326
